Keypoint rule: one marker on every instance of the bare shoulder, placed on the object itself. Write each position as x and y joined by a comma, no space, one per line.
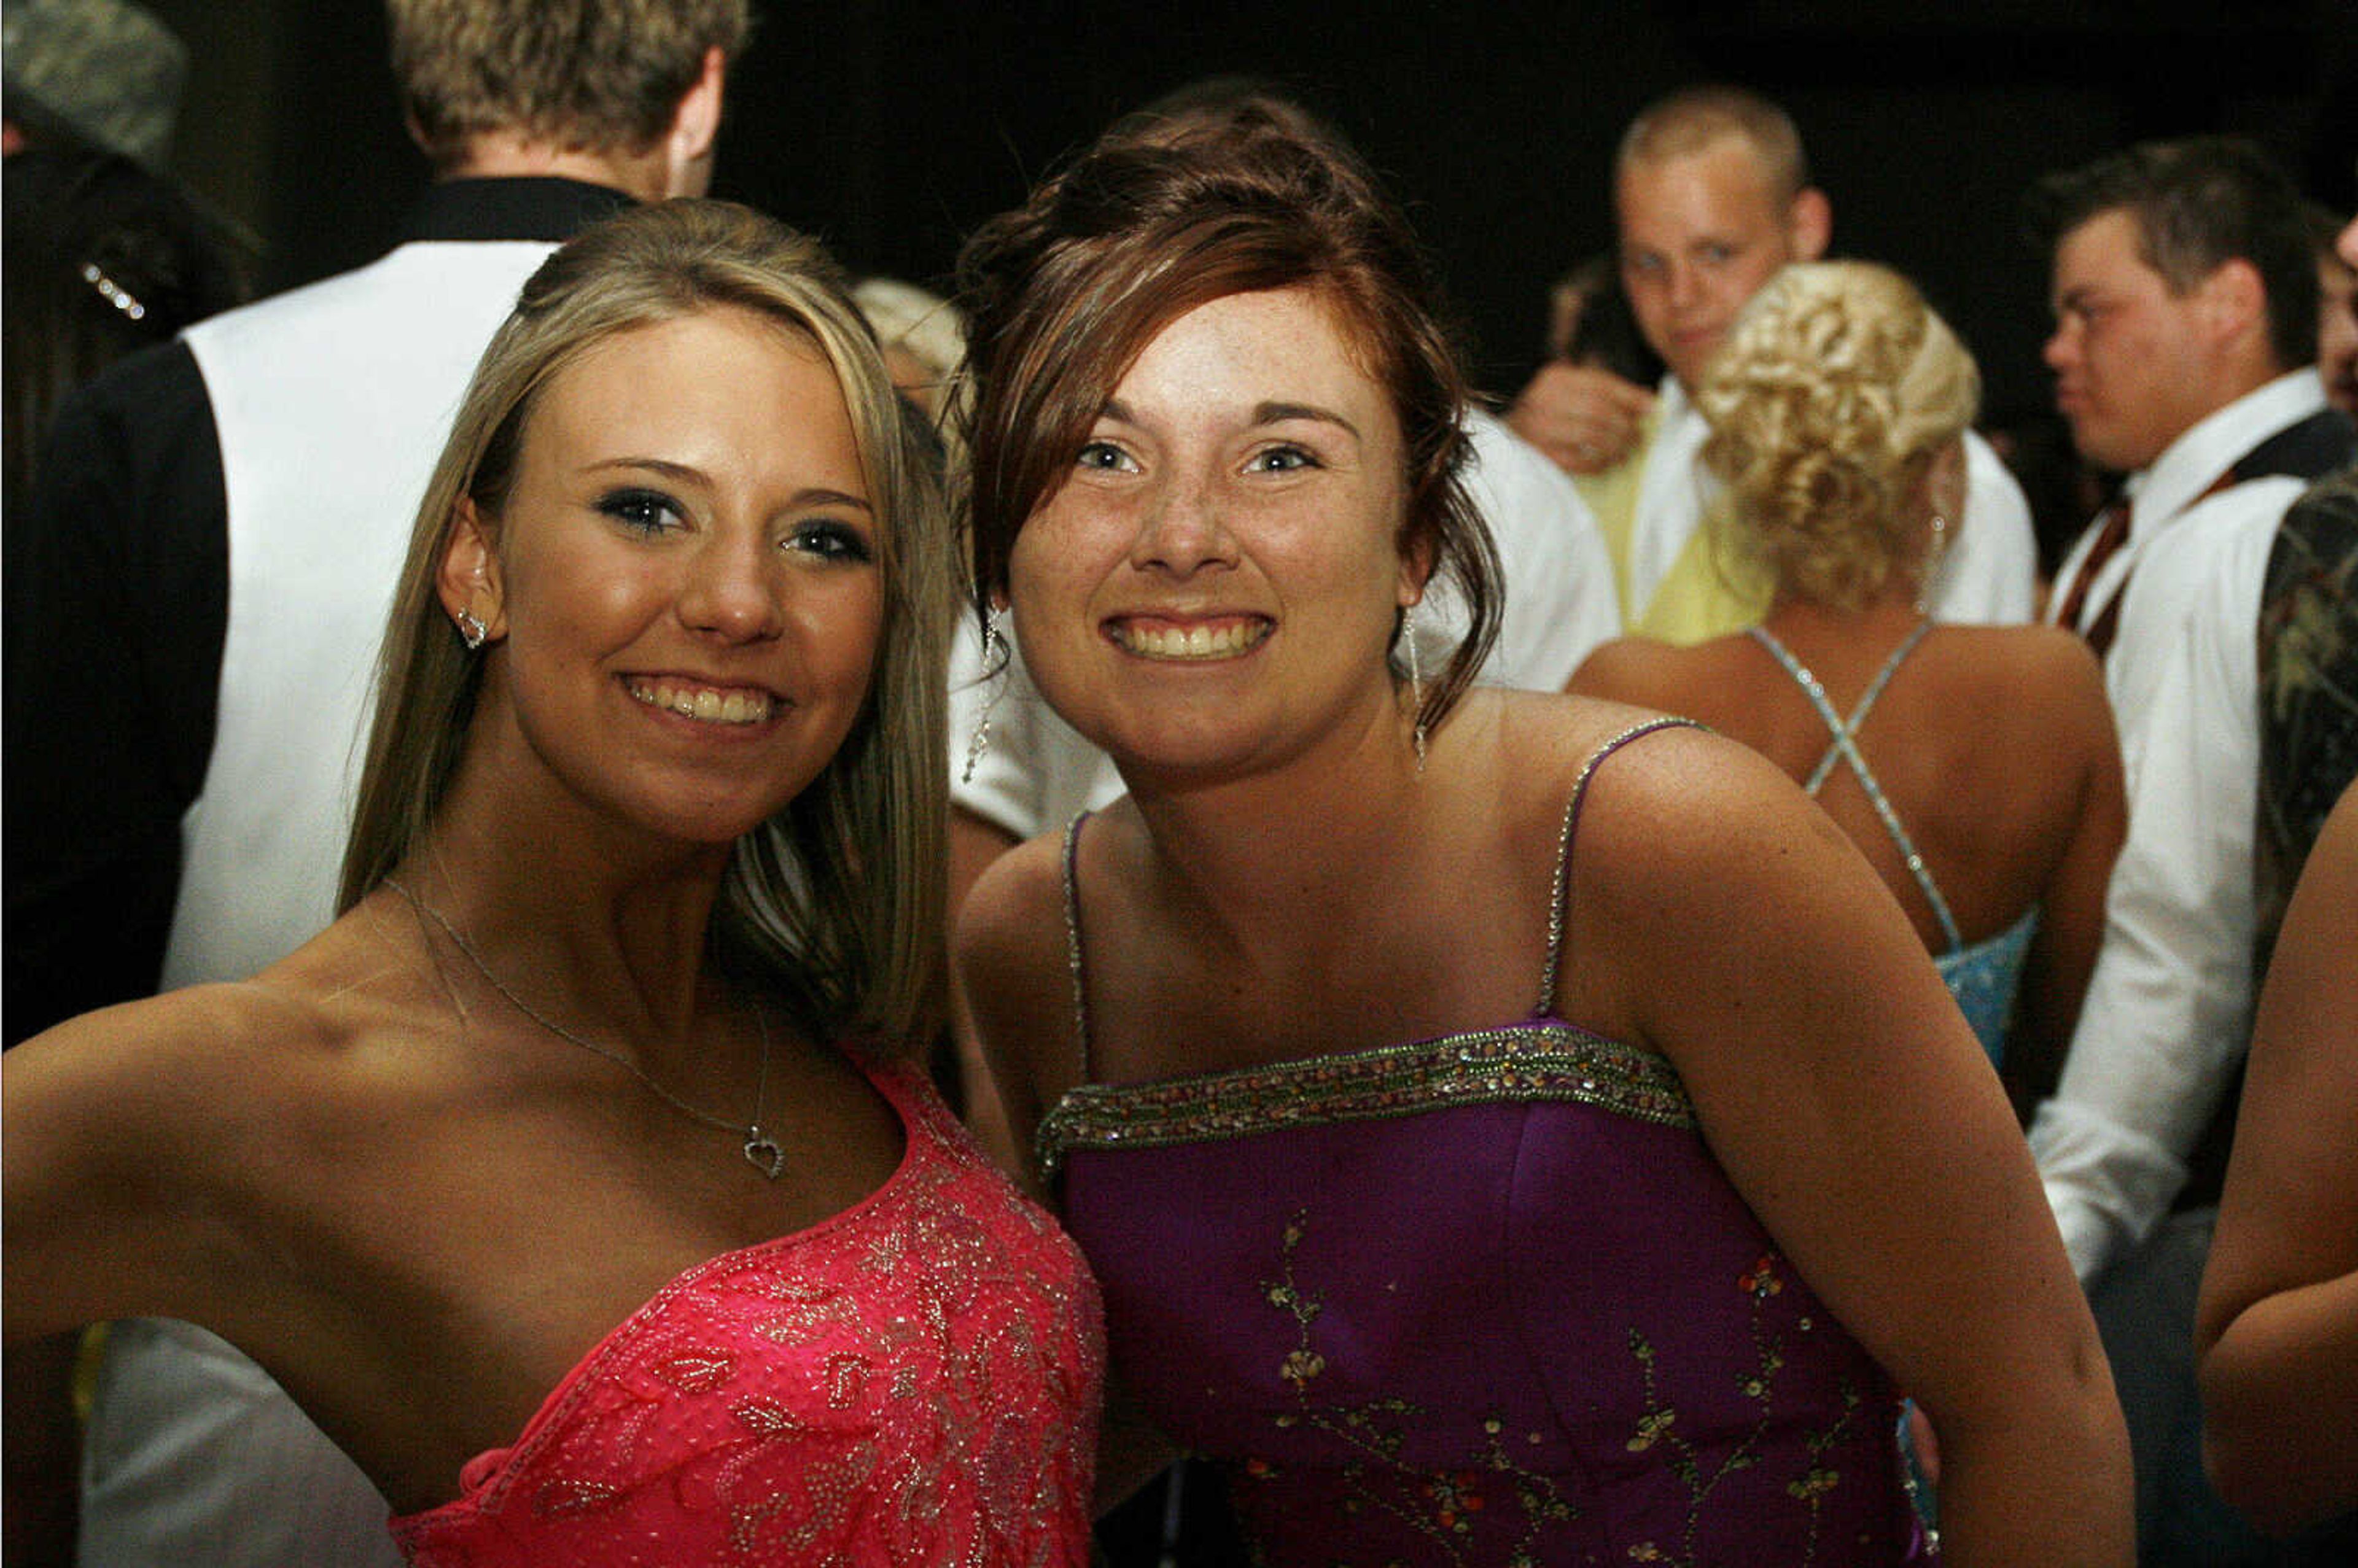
2041,673
135,1132
1013,957
1015,908
1627,759
181,1043
265,1059
1543,731
2047,657
1627,669
1674,817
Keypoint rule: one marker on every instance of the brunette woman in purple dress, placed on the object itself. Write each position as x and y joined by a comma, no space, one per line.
1509,1128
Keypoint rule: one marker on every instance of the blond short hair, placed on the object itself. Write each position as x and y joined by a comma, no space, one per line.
1832,395
1694,119
835,902
601,76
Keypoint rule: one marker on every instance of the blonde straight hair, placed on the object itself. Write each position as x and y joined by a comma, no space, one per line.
835,902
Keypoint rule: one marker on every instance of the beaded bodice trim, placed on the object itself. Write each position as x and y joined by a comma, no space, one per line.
1546,1059
1542,1059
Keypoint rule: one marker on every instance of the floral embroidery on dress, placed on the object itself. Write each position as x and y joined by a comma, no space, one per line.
1658,1424
914,1380
1440,1504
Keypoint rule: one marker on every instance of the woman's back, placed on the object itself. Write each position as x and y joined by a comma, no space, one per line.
1992,746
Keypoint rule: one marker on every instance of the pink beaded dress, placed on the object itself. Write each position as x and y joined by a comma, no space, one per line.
913,1381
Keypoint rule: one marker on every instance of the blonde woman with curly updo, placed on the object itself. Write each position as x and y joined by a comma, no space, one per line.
1974,766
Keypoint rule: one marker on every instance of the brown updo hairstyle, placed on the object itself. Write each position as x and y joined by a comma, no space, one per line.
1829,401
1162,216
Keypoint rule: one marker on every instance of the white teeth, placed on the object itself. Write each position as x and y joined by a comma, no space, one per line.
704,703
1194,641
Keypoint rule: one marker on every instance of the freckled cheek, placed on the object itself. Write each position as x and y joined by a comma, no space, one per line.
1057,558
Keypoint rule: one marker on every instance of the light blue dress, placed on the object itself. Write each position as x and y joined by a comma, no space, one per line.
1983,975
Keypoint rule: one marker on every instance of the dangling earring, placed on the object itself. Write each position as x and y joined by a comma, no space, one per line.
1415,682
1930,570
471,632
994,652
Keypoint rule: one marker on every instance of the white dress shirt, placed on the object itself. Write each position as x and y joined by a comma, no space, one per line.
1559,603
2168,1013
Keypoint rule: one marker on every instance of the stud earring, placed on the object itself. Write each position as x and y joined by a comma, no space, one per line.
471,632
994,657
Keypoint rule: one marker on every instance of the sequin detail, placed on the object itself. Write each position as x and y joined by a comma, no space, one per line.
915,1380
1984,978
1442,1506
1541,1061
1700,1475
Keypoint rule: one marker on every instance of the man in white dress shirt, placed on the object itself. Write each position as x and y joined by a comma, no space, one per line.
2185,295
1712,196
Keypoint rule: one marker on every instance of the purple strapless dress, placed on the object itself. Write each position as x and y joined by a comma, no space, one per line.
1487,1298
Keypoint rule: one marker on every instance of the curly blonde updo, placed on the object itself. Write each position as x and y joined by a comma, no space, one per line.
1828,402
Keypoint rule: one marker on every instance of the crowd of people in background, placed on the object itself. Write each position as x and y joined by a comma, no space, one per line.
700,911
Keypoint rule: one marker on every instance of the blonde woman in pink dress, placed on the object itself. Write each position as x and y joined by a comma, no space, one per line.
578,1179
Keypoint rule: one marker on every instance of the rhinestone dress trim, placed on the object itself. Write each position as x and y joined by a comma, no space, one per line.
1545,1060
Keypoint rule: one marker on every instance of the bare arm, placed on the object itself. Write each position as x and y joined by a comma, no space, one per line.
2277,1330
1848,1102
1583,418
1011,961
974,845
104,1207
2071,913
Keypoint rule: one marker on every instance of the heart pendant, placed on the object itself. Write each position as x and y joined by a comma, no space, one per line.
762,1152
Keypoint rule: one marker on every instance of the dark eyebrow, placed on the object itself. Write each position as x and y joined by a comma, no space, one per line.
1275,413
814,496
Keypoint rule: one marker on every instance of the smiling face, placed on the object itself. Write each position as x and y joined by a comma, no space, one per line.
1215,583
1700,232
2132,369
683,583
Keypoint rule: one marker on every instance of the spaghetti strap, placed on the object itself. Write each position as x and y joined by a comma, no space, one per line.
1073,940
1844,747
1559,916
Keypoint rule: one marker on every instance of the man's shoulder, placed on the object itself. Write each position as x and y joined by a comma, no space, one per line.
137,384
414,285
142,427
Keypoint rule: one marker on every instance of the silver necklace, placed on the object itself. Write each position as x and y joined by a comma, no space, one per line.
762,1150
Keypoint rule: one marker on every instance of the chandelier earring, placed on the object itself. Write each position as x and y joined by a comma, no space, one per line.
1935,550
1415,682
994,663
471,632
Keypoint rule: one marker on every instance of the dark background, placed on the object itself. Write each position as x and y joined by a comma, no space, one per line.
891,126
